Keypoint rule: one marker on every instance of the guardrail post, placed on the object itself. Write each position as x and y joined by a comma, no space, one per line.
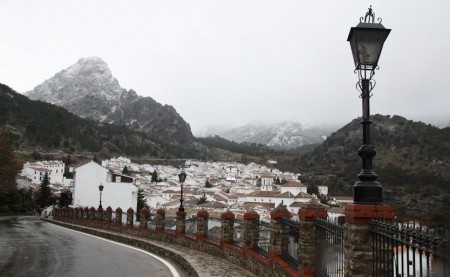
108,214
358,249
92,213
276,229
77,213
227,224
181,225
202,224
118,219
160,219
130,214
144,218
307,236
251,228
100,214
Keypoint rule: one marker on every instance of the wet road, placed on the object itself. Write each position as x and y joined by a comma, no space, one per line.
31,247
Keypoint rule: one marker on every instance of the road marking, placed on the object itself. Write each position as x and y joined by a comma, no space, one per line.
169,266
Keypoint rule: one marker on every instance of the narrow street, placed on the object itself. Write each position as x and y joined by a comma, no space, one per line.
30,247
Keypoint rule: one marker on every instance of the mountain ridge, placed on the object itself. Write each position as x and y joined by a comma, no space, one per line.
282,136
89,90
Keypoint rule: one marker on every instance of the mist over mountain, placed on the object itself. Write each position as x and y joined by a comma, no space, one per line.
284,135
89,90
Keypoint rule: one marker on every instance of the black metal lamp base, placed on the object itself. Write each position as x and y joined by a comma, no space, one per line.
367,192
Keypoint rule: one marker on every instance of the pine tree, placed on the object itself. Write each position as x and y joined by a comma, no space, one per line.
154,177
44,198
125,170
9,166
141,203
202,200
208,184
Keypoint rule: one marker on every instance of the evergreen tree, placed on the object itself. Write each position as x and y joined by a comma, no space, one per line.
125,170
278,181
202,200
313,189
154,177
44,198
141,203
9,165
208,184
65,199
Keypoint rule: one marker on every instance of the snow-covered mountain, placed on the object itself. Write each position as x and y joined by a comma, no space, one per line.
284,135
89,90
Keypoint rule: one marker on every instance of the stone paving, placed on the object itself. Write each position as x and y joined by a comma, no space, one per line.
205,265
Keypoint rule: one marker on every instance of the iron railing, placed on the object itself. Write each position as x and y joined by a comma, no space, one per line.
262,247
329,248
214,229
238,232
402,248
191,227
151,221
289,244
170,223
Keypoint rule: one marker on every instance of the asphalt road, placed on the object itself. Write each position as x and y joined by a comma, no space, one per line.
31,247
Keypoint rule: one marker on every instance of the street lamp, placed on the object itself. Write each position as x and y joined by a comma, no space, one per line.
100,188
366,41
181,177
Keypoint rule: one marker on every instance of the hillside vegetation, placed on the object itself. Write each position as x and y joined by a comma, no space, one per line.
412,163
39,126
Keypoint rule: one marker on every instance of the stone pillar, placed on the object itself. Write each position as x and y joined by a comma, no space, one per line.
108,214
130,215
86,213
92,213
71,213
358,253
202,224
160,220
118,218
76,213
307,236
276,229
181,225
100,214
227,224
251,228
81,213
144,218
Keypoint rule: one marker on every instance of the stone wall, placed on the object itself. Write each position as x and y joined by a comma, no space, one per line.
357,238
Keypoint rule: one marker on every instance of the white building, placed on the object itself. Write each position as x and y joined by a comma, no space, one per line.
266,182
118,190
323,190
36,171
294,188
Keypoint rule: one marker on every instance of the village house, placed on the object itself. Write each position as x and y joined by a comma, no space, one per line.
36,171
118,190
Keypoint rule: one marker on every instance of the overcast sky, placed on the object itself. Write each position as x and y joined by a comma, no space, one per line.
236,62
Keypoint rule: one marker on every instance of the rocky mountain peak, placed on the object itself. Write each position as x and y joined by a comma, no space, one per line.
89,77
89,90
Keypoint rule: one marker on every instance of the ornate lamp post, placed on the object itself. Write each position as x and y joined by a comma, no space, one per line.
100,188
366,41
181,177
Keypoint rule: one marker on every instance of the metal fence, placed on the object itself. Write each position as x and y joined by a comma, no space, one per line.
214,229
405,248
191,226
329,248
170,223
289,247
238,232
151,221
264,239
